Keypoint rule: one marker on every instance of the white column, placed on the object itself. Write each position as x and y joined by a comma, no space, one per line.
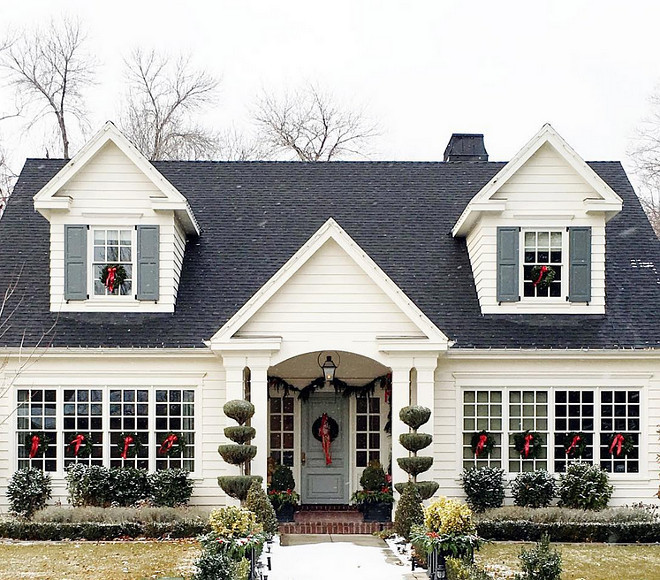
259,369
426,398
400,399
233,377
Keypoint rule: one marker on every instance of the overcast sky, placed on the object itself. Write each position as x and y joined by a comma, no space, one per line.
420,69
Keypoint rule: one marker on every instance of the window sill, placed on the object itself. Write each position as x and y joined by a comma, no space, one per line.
129,305
556,306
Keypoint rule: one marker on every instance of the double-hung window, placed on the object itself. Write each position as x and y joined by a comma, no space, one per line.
542,264
113,248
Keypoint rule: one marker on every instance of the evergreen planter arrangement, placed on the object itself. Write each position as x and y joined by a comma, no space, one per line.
375,499
282,495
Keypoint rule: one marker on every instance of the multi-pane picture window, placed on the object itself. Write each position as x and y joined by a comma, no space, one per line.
542,249
574,413
528,410
175,415
36,417
367,436
620,415
129,415
281,430
83,416
113,247
482,411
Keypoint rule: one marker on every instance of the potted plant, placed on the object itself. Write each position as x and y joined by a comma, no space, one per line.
282,495
375,499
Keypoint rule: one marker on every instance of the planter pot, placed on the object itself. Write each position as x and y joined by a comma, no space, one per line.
377,512
436,566
285,513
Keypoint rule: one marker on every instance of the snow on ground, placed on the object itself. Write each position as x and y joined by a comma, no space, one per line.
335,557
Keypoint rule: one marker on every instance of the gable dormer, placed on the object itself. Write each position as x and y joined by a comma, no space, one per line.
110,210
535,232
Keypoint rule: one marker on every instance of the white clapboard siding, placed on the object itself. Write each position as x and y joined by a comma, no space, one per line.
111,191
333,299
545,192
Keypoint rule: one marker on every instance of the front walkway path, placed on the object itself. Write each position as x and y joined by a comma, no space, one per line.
336,557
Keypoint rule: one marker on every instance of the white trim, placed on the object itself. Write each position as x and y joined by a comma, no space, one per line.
329,230
610,203
45,200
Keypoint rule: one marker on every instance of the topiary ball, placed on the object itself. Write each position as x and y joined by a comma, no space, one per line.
373,477
414,442
240,433
415,465
415,416
239,410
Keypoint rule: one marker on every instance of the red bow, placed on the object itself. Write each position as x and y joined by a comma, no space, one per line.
324,433
167,444
110,278
544,269
35,446
528,439
480,445
618,442
77,442
573,444
127,441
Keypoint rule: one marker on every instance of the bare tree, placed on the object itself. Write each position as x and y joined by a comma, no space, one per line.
235,146
7,179
49,70
308,125
163,95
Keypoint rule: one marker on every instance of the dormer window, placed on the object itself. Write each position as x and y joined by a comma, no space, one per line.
112,248
542,264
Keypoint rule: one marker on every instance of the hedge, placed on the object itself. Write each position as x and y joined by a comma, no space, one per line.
53,531
613,533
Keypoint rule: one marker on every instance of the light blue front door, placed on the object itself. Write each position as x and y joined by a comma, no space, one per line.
323,483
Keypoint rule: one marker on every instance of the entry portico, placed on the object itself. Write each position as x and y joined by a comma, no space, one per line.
330,297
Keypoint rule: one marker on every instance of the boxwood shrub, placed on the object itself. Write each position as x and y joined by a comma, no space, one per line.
170,487
533,489
28,490
584,486
484,487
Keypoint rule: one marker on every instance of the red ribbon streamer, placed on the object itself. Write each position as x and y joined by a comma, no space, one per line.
544,269
77,442
35,446
324,433
110,278
127,441
618,442
573,444
167,444
528,439
480,445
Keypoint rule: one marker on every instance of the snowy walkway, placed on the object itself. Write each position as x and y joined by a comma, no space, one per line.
335,557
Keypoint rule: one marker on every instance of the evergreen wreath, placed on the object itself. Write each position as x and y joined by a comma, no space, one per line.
172,445
575,449
620,445
535,444
133,447
117,280
543,276
488,445
41,445
85,446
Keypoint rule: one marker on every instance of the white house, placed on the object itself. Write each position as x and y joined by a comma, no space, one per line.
505,296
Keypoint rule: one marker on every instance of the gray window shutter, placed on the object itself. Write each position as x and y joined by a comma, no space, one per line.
148,246
579,273
75,262
508,272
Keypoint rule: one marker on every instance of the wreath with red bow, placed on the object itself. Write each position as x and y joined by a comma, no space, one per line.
529,444
129,445
36,443
172,445
81,445
113,276
575,445
543,276
621,445
482,444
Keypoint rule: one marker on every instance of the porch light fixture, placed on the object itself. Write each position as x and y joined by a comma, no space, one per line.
328,368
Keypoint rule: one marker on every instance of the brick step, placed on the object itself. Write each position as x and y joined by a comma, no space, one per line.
334,527
328,517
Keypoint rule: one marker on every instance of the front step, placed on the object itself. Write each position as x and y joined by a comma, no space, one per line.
331,520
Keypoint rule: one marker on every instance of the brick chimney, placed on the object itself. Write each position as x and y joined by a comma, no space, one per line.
466,147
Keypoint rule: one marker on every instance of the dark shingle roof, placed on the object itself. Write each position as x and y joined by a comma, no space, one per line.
255,215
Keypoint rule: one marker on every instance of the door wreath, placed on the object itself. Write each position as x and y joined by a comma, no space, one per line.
325,430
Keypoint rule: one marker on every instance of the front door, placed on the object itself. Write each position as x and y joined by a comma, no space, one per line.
324,482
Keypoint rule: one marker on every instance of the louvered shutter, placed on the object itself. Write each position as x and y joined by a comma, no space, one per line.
507,265
75,263
579,273
148,242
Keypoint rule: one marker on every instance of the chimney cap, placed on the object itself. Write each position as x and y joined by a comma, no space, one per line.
466,147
